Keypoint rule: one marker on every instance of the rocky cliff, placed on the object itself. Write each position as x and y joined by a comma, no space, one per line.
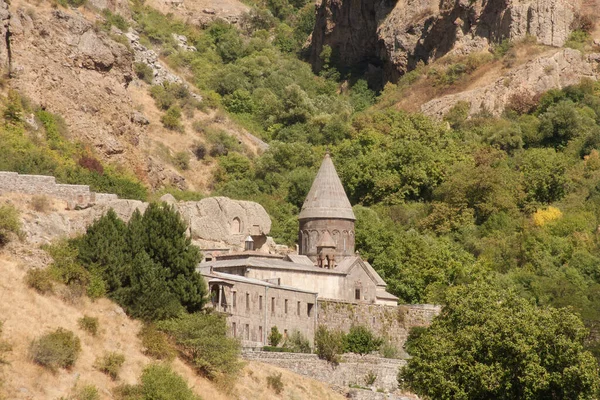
391,37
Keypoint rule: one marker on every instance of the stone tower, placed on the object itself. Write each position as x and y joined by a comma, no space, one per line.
326,233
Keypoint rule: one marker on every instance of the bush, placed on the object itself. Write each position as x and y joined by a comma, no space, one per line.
91,164
87,392
203,341
66,268
39,279
388,350
110,364
172,119
58,349
182,160
10,224
275,383
157,382
40,203
156,343
361,340
144,72
89,324
199,151
297,343
329,344
274,337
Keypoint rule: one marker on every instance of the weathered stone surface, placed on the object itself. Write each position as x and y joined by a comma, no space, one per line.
395,36
220,219
565,67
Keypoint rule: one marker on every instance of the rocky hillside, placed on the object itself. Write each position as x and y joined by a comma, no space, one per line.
395,36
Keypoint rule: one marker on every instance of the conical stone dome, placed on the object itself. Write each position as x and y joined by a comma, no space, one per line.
327,198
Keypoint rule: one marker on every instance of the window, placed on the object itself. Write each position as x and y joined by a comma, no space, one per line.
247,301
260,302
285,305
247,332
260,337
309,309
357,294
233,329
272,305
234,300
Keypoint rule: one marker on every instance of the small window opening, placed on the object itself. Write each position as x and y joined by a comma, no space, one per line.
357,294
309,309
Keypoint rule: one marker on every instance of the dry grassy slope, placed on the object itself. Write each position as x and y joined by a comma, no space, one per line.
27,314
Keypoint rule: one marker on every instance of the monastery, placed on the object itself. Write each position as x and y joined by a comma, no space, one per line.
258,290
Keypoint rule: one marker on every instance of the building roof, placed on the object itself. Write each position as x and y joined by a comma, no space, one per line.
327,198
266,263
299,259
224,277
326,241
349,262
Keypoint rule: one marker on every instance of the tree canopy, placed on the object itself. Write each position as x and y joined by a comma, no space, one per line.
493,344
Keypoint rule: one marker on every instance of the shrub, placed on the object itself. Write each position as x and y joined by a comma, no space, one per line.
91,164
329,344
114,19
361,340
40,203
298,343
182,160
370,378
39,279
87,392
160,382
172,119
144,72
156,343
89,324
110,364
66,268
275,383
388,350
199,150
218,149
10,224
57,349
274,337
202,340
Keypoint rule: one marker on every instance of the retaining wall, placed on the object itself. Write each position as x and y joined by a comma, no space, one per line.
352,370
75,195
391,322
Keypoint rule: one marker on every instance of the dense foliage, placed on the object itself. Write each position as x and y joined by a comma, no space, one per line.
490,344
158,382
147,265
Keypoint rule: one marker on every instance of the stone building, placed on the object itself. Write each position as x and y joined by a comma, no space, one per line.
258,290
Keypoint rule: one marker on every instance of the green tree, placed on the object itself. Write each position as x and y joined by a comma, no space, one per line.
361,340
492,344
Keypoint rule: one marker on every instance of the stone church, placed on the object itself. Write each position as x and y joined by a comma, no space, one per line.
326,282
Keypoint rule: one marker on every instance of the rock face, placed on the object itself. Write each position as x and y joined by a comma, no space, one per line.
214,222
393,36
565,67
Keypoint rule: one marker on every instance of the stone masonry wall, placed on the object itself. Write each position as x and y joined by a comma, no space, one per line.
352,370
386,321
75,195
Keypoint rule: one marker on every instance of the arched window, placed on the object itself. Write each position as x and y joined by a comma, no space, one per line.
236,226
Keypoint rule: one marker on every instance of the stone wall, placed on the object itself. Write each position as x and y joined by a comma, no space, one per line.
75,195
352,370
392,322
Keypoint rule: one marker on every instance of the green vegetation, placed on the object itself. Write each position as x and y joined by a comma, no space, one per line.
147,265
86,392
158,382
297,343
329,344
57,349
360,340
274,382
50,151
40,280
470,354
10,223
156,343
110,364
274,337
89,324
202,341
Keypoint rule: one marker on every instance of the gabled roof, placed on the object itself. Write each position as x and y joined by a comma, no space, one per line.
221,277
266,263
327,198
348,263
299,259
